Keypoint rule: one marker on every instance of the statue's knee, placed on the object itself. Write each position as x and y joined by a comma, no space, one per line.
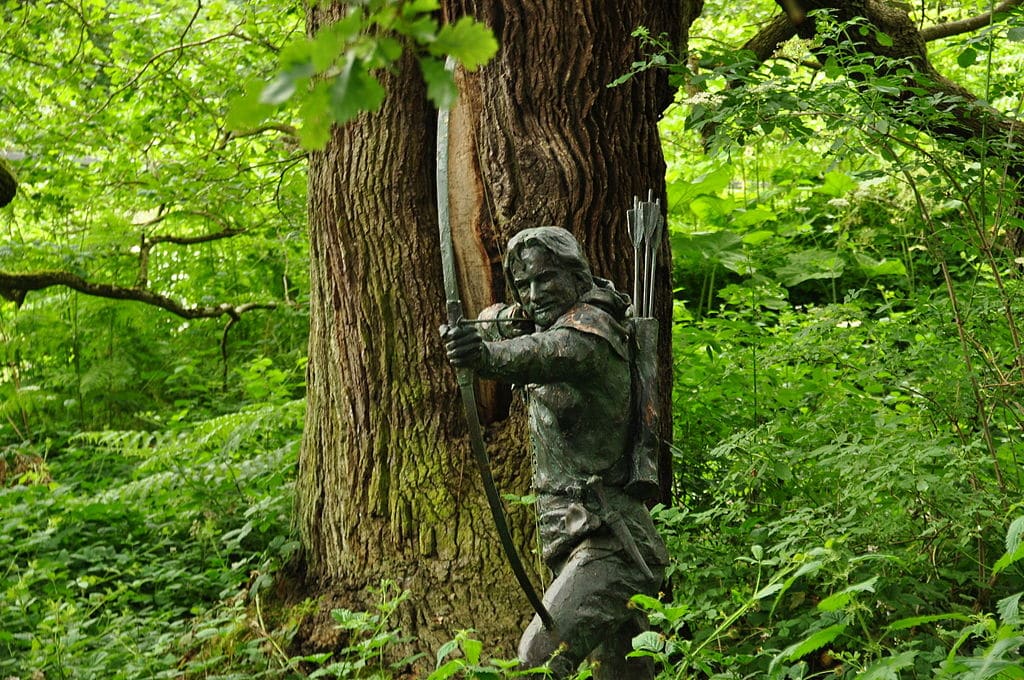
535,647
539,647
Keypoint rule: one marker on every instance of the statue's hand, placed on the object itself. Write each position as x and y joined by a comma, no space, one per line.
463,345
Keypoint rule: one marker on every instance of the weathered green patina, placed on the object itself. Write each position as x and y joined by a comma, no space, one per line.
573,359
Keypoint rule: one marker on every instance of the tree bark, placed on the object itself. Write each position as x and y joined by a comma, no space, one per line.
386,487
8,183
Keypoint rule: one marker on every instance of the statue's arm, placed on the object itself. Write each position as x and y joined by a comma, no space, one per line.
559,355
502,322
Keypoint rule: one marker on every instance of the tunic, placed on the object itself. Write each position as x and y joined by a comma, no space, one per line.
577,379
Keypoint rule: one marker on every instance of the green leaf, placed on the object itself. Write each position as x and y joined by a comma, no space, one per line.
768,590
283,86
1016,34
468,40
472,648
967,57
806,568
885,668
447,670
441,87
647,602
1009,609
649,641
810,264
872,267
353,91
1015,534
423,30
883,39
247,111
813,642
914,621
420,6
680,193
753,216
712,210
1007,559
331,40
756,238
839,600
446,649
832,68
316,118
837,183
386,51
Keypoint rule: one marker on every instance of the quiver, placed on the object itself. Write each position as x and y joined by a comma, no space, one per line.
643,347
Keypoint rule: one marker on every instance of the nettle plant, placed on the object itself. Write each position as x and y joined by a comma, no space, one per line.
139,548
848,371
852,629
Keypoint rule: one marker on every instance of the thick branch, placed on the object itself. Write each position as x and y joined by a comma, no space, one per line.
775,32
14,287
970,122
192,240
783,27
969,24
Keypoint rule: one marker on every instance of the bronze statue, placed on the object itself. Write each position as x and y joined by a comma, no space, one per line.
569,340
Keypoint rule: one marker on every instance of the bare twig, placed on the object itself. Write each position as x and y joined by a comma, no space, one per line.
213,217
152,60
288,130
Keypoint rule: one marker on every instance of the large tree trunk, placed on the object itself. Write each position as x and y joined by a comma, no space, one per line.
386,486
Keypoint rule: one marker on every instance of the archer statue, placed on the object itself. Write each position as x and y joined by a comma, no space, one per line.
570,339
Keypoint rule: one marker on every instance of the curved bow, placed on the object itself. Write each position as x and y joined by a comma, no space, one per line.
464,376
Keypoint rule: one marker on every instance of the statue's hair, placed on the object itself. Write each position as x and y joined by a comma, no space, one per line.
560,243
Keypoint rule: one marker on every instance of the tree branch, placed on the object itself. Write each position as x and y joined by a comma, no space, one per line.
279,127
767,40
969,120
152,60
213,217
192,240
969,24
14,287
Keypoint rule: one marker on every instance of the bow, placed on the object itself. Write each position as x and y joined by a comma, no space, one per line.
464,376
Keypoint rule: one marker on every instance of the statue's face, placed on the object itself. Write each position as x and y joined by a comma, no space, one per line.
545,290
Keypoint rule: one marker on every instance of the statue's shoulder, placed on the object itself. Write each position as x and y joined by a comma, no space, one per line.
592,320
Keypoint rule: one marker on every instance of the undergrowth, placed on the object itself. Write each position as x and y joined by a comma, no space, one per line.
129,550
